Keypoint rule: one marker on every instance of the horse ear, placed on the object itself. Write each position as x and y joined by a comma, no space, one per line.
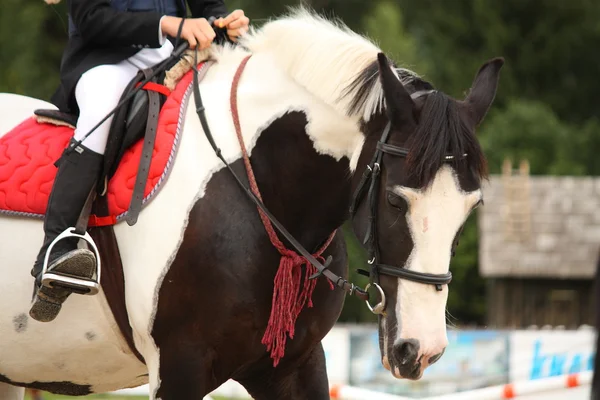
483,90
400,107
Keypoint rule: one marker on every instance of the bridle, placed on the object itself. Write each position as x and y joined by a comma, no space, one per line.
371,179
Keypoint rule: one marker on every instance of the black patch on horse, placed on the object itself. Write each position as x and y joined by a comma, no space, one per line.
64,388
226,253
20,322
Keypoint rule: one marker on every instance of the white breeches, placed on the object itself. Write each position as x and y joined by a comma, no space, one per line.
99,90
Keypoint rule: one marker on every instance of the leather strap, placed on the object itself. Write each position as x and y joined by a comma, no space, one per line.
391,149
420,277
146,159
367,175
82,221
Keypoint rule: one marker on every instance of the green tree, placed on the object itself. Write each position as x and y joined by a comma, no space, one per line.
384,25
548,46
529,130
32,37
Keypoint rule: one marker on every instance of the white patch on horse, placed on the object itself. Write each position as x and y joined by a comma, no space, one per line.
434,217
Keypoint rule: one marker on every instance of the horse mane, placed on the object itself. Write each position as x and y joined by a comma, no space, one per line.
442,132
323,56
340,67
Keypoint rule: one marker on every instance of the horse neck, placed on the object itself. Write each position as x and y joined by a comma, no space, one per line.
308,192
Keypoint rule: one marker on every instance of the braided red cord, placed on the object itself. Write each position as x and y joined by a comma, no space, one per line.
287,301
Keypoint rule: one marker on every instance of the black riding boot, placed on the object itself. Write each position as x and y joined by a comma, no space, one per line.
76,176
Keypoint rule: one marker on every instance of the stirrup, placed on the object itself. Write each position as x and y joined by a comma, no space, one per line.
84,286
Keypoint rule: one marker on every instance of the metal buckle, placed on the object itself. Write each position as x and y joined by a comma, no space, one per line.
84,286
379,307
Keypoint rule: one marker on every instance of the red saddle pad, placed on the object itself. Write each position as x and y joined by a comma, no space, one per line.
28,153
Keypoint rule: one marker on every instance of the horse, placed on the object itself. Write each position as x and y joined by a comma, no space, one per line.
334,130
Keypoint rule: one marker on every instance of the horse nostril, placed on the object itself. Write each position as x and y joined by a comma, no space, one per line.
406,351
435,358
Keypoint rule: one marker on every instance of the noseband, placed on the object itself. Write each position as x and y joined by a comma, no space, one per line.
370,180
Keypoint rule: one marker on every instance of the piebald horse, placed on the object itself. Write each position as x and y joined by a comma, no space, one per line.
334,131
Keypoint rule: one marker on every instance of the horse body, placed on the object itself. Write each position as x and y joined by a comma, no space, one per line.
102,361
199,267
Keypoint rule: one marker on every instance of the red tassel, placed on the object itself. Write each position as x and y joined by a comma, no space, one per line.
288,302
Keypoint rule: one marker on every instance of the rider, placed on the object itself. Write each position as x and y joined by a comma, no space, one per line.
109,42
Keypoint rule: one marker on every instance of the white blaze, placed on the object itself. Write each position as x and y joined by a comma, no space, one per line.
434,217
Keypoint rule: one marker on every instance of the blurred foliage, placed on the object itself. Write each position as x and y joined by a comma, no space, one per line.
530,130
545,110
547,45
32,37
385,26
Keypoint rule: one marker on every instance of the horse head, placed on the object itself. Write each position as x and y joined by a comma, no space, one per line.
424,168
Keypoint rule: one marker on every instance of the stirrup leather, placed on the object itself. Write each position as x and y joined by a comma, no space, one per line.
84,286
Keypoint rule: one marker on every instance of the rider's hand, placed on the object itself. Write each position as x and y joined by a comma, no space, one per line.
197,31
236,23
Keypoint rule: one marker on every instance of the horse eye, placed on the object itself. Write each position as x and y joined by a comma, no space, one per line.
396,201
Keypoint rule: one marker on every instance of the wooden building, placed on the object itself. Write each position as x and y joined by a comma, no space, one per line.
539,245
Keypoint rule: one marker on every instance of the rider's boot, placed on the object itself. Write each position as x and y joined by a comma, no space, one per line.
76,176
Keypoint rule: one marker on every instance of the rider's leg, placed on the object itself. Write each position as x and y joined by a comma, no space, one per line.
97,93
